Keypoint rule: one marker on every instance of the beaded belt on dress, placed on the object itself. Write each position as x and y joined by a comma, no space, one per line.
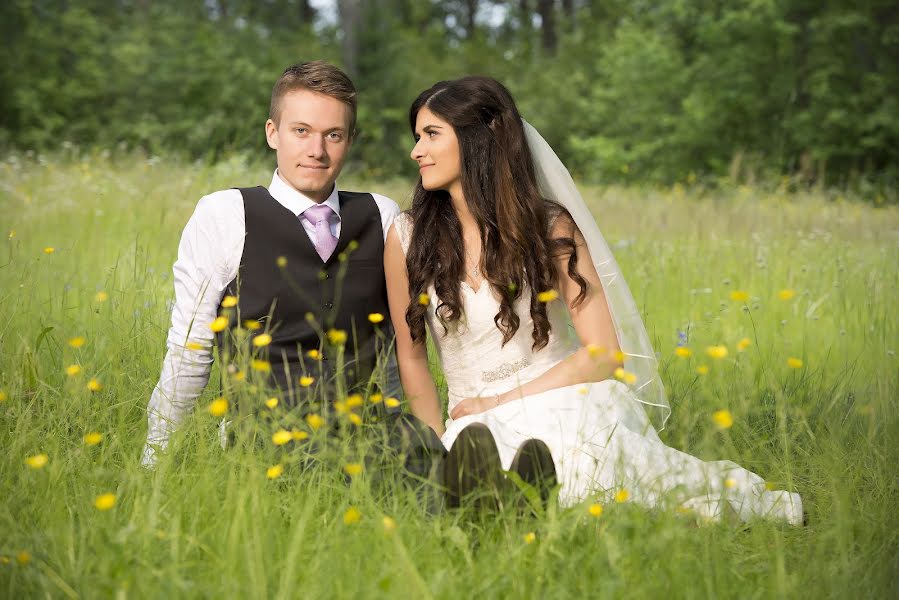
504,370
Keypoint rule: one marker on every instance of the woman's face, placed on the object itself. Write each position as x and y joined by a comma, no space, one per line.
437,153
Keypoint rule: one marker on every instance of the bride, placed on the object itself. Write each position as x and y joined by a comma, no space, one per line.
501,260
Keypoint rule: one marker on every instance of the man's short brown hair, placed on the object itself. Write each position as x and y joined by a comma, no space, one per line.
315,76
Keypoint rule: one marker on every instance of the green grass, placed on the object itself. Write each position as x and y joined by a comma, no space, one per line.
209,523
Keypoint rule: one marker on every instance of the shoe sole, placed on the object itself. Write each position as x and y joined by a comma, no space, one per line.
473,472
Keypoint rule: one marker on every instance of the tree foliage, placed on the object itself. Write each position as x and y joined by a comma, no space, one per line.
623,89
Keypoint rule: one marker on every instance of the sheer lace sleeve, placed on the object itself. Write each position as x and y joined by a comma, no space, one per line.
403,224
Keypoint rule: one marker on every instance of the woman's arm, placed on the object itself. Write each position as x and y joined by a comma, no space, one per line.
596,359
412,358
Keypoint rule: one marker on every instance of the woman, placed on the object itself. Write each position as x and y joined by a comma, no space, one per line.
497,256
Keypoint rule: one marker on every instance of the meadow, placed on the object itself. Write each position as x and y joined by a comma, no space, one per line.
796,284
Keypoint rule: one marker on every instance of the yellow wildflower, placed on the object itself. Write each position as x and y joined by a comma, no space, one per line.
354,401
105,501
263,339
274,471
261,365
229,301
337,336
281,261
353,469
530,537
306,381
683,352
375,318
723,419
101,296
12,234
73,370
314,354
376,398
23,557
391,403
702,370
3,396
38,461
352,516
340,406
743,344
617,356
271,403
218,407
424,299
739,296
622,496
594,350
239,376
219,324
193,346
547,296
93,438
389,525
770,486
717,352
77,342
786,294
94,385
252,325
794,363
730,483
595,510
281,437
355,419
298,435
49,250
314,421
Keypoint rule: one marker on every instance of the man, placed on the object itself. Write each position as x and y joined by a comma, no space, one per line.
292,260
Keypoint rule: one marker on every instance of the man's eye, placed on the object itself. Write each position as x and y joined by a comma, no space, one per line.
300,130
335,136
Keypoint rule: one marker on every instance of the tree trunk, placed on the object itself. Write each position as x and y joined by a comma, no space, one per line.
349,12
546,10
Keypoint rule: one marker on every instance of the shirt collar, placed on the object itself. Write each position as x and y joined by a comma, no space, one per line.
296,202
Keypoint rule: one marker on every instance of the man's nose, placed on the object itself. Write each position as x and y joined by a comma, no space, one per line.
316,146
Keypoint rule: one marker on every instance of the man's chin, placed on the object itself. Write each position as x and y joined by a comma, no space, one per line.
314,187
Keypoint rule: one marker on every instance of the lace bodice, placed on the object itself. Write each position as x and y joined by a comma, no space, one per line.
473,358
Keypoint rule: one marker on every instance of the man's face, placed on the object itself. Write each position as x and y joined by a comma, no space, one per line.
311,141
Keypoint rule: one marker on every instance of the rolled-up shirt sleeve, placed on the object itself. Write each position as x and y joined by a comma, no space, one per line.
208,259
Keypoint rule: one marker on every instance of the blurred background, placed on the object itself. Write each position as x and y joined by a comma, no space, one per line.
649,91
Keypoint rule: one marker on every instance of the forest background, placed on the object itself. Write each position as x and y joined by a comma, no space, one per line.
625,90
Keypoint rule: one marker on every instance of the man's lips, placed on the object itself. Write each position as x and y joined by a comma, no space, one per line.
318,167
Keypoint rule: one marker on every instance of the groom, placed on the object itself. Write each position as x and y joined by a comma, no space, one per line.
294,260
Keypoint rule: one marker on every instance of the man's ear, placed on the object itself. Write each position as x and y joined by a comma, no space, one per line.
271,134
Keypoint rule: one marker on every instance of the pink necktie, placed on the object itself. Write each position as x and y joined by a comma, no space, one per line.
320,216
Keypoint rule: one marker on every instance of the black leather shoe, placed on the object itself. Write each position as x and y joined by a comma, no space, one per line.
473,472
534,464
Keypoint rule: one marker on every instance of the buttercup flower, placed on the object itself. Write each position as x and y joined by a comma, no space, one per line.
23,557
193,346
314,421
298,435
595,510
263,339
354,401
94,385
424,299
355,419
702,370
723,419
594,350
739,296
77,342
376,398
49,250
219,324
391,403
530,537
93,438
229,301
274,471
257,364
306,381
389,525
3,396
337,336
622,496
717,352
547,296
786,294
38,461
101,297
281,437
105,501
281,261
252,325
73,370
352,516
314,354
218,407
271,403
730,483
683,352
375,318
794,363
353,469
743,344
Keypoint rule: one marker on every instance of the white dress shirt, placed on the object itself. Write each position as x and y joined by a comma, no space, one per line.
208,260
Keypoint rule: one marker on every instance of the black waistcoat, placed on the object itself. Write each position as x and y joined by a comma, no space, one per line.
282,282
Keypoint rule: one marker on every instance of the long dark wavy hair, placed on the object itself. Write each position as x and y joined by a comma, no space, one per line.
500,188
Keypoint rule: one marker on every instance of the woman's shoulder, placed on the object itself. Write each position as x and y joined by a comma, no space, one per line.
403,225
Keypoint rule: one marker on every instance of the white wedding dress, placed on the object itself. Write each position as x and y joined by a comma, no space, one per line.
600,437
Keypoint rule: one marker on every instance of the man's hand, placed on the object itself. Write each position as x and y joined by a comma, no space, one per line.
473,406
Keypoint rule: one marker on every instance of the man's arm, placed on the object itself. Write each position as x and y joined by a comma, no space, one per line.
208,258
